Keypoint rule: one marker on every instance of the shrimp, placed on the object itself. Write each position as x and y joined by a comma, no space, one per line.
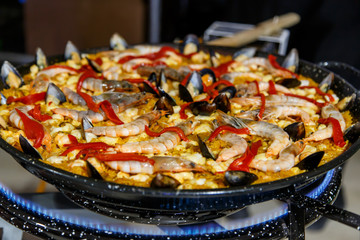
128,129
51,72
166,141
15,119
328,111
128,66
233,75
238,145
273,100
74,97
279,137
285,161
250,89
39,84
162,164
78,115
171,73
98,85
277,112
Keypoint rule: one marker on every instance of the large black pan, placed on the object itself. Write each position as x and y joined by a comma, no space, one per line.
165,206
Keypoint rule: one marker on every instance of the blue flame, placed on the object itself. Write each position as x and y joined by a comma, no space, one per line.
101,223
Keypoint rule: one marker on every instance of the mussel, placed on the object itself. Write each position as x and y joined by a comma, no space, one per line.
289,82
94,65
190,44
117,42
71,52
10,76
164,104
325,84
54,95
205,151
85,124
222,102
162,87
248,52
28,148
2,99
164,181
211,75
352,133
193,87
311,161
202,108
291,60
346,103
296,131
230,91
240,178
151,79
40,59
95,168
215,62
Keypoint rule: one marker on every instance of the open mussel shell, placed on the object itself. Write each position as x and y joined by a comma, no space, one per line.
71,52
161,82
184,94
240,178
94,65
205,151
346,103
230,91
352,133
190,44
117,42
93,172
152,79
289,82
164,104
248,52
2,99
85,124
28,148
296,131
10,76
292,59
164,181
208,71
325,84
54,94
222,102
202,108
40,59
167,96
215,62
311,162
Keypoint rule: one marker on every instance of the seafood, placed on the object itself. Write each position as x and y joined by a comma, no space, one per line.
98,85
272,100
79,115
128,129
165,142
250,89
238,146
278,112
162,164
326,112
285,161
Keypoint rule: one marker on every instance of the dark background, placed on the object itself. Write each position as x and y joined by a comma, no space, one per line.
329,30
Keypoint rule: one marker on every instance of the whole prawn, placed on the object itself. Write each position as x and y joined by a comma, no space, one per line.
285,161
280,139
98,85
166,141
328,111
128,129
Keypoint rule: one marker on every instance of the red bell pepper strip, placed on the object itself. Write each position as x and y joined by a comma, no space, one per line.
89,101
123,157
319,104
177,130
84,75
32,129
73,139
272,88
338,135
263,100
185,80
222,81
228,128
275,64
318,91
222,68
242,163
36,114
81,146
109,111
29,99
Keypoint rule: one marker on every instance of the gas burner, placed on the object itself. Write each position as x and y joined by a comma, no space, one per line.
272,219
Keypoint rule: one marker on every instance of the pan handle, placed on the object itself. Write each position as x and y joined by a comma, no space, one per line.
326,210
